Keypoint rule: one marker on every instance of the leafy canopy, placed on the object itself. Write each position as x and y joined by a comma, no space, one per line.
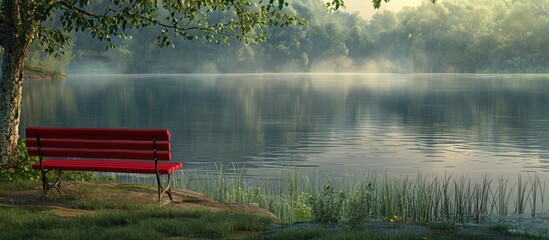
213,20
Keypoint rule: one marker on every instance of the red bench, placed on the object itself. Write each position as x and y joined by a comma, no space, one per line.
102,150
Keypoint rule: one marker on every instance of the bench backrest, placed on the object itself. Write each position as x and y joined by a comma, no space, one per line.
110,143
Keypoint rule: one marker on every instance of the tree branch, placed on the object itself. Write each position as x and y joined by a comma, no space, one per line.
47,12
73,8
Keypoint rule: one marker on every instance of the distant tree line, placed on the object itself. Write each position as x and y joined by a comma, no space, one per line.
462,36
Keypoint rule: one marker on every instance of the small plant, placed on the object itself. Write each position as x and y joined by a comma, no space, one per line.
392,219
22,170
327,207
501,227
78,176
447,227
358,208
302,212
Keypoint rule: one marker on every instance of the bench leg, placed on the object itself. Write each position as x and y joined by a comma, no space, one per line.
162,189
46,186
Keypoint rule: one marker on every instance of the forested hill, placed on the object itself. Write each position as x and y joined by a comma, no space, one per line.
451,36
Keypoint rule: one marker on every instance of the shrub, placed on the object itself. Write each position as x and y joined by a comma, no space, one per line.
358,207
22,170
327,206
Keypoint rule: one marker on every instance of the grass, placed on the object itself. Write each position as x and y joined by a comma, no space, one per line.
122,219
149,223
308,233
501,227
111,219
322,233
449,227
425,199
17,186
440,202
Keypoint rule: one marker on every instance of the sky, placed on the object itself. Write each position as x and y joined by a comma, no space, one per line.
366,9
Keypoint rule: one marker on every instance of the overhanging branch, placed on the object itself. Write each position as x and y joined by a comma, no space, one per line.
114,18
73,8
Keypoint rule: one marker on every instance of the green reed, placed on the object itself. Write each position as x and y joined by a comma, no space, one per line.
422,198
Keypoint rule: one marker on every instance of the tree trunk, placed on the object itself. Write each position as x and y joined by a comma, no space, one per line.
11,86
16,34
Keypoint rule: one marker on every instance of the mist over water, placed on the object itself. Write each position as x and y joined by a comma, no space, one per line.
348,65
331,123
452,36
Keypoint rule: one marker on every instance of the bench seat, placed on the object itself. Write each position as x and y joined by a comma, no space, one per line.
110,165
123,150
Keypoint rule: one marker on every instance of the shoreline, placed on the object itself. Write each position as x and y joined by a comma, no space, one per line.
30,73
42,77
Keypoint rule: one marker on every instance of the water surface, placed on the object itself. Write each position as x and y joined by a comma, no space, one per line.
335,123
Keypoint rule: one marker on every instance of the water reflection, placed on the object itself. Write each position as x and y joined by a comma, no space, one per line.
386,123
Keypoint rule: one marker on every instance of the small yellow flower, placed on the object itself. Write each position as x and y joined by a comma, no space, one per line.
393,218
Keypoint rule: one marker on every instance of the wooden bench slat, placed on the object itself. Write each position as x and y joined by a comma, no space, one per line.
96,144
99,133
109,162
109,149
109,166
99,153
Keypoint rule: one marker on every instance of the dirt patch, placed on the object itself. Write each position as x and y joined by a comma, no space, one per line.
70,212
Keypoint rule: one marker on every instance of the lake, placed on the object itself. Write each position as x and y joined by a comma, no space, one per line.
329,123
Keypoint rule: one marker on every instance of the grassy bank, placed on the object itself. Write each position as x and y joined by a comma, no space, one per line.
368,206
296,197
114,210
148,223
